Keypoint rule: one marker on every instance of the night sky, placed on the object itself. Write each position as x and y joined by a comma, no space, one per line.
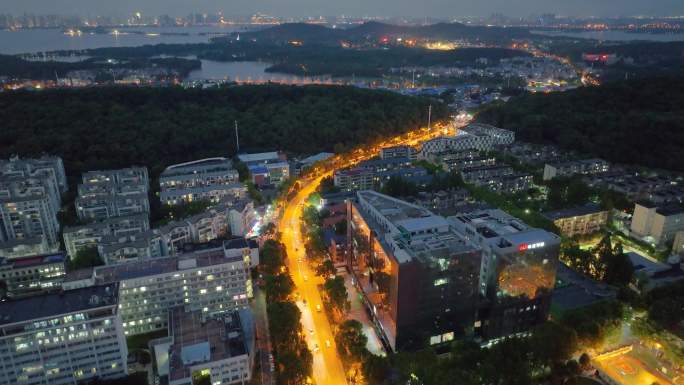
420,8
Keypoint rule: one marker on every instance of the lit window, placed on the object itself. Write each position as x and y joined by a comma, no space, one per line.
434,340
441,281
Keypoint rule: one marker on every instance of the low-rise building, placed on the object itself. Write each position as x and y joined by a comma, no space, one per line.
657,224
62,338
582,220
237,218
26,276
267,168
569,168
77,238
498,178
210,179
441,201
309,161
406,152
217,349
127,248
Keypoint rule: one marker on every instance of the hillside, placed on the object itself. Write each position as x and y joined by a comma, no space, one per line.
635,122
373,31
101,128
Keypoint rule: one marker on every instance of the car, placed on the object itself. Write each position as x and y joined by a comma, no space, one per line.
316,348
327,343
306,279
311,331
318,307
304,302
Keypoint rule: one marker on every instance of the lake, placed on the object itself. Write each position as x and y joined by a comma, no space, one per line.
246,71
616,35
42,40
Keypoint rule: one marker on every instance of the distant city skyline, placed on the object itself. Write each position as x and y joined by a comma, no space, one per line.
355,8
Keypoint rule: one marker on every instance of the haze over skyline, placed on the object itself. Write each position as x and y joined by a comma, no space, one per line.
286,8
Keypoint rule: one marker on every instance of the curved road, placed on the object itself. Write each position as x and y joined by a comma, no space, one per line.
327,365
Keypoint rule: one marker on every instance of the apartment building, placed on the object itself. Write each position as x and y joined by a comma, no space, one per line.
517,274
205,179
77,238
205,281
46,167
31,275
584,167
498,178
657,224
62,338
218,349
113,193
28,216
418,278
582,220
354,179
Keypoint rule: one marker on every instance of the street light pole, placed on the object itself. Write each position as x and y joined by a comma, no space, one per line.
237,138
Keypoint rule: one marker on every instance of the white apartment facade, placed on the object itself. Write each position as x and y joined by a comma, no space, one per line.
62,339
205,179
203,281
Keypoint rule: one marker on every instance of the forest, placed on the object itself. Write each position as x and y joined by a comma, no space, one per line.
109,127
375,31
639,122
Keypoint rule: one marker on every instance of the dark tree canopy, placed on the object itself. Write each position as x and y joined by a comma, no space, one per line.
100,128
634,122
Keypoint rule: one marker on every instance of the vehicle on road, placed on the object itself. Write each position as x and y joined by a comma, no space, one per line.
316,348
327,343
311,331
318,307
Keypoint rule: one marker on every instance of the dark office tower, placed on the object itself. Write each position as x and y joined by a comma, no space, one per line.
417,277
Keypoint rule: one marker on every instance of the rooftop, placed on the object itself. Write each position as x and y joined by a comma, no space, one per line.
259,157
498,227
416,232
115,273
316,158
574,211
35,260
240,243
198,340
48,305
201,163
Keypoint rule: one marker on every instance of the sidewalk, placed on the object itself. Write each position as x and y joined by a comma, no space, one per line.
358,312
